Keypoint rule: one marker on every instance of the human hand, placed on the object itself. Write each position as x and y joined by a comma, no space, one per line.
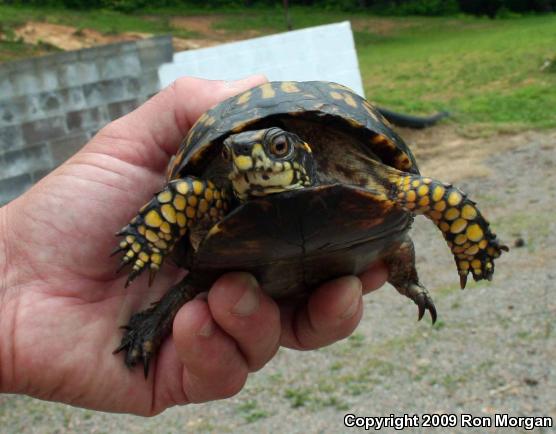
61,303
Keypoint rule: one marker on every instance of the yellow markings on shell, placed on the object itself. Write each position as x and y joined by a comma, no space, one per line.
267,91
218,204
169,213
123,244
289,87
244,97
426,180
350,101
198,187
141,229
209,121
190,212
217,194
444,227
460,239
458,225
468,212
192,200
243,162
475,233
410,197
379,139
130,239
475,263
438,193
179,202
415,183
214,230
336,95
422,190
482,244
130,253
165,227
451,214
136,247
164,196
182,187
464,265
181,219
454,198
151,236
153,219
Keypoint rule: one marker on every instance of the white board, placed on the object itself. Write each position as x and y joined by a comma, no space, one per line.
315,53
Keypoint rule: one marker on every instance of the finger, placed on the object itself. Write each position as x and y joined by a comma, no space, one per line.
248,315
374,277
157,127
331,313
214,368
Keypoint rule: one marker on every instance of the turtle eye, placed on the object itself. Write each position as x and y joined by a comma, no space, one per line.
226,153
279,146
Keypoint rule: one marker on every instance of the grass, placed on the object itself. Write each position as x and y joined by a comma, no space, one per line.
485,72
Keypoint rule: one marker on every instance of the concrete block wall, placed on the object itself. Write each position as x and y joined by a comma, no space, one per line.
51,106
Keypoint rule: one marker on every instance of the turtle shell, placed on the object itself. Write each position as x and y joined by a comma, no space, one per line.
270,103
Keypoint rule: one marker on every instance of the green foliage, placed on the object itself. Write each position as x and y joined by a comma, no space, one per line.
491,8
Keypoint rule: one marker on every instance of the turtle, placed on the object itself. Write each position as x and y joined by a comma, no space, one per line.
297,183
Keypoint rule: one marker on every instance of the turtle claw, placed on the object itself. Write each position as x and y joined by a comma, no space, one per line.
139,339
423,301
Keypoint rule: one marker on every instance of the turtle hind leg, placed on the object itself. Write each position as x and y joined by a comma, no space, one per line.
153,232
146,330
403,276
467,232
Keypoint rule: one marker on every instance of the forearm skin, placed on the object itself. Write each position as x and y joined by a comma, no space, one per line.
7,306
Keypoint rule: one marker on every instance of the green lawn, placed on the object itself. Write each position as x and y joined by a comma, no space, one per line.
486,72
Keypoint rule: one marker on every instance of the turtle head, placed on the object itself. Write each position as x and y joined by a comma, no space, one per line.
268,161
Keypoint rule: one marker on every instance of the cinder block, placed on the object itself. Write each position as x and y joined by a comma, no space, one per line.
63,148
75,74
155,51
121,108
41,130
83,119
27,160
103,92
124,65
11,137
150,82
6,86
10,188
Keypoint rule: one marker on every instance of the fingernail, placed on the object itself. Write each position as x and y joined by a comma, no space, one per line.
250,300
207,329
353,292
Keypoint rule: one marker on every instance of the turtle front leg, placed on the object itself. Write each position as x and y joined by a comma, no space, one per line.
403,276
153,232
467,232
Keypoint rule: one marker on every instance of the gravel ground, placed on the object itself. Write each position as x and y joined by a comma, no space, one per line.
492,350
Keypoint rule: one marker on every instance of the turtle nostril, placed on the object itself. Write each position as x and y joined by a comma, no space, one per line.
240,149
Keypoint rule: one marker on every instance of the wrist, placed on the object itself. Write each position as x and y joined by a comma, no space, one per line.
6,314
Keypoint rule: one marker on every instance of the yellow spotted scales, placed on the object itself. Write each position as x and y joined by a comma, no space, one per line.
466,231
153,233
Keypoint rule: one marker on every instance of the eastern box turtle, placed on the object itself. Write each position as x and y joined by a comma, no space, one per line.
296,183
